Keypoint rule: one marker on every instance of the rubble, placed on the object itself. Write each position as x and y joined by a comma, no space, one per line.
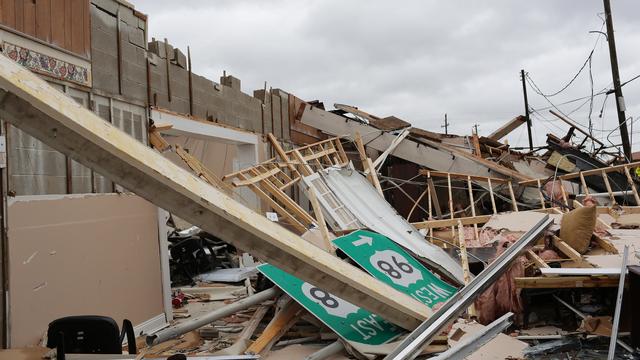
369,239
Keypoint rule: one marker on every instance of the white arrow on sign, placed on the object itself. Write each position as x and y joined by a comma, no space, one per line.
363,240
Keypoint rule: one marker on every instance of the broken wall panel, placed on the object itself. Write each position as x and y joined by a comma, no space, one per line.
78,255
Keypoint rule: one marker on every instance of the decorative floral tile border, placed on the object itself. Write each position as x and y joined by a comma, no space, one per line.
46,64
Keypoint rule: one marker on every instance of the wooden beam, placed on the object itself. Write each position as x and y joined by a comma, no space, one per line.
480,219
598,171
454,175
283,155
472,203
32,105
566,249
563,282
493,200
278,326
577,127
322,225
341,153
605,244
194,164
632,184
465,265
257,178
507,128
434,197
367,165
514,202
605,178
536,259
542,203
304,166
476,145
585,188
391,147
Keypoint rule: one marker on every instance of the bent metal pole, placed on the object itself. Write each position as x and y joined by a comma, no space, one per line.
175,331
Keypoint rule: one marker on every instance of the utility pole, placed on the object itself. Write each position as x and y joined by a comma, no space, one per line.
446,125
526,108
475,128
624,134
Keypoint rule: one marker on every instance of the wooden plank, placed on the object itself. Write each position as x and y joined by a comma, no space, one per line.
201,171
605,178
476,145
562,282
305,169
252,324
577,127
451,211
300,227
536,259
318,155
493,200
434,197
507,128
465,265
257,178
605,244
33,106
278,326
322,225
480,219
287,202
472,203
514,202
585,188
341,153
390,149
566,249
366,164
632,184
542,204
454,175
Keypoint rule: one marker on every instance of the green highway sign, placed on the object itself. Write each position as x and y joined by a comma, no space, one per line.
347,320
389,263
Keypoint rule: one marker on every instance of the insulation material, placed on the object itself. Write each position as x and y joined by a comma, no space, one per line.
78,255
502,296
359,196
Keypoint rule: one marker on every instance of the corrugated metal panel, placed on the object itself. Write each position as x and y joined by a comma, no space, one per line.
357,194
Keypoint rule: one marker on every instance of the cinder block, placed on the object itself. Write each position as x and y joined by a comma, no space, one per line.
231,81
179,58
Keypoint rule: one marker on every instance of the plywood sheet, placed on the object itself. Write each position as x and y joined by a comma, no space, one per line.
79,255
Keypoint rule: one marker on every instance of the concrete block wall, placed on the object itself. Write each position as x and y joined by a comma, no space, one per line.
222,102
119,67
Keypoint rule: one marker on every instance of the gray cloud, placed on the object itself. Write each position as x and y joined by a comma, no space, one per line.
413,59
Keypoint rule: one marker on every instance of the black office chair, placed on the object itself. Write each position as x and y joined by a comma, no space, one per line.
89,334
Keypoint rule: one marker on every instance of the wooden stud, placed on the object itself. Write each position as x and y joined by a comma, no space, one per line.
605,244
465,264
257,178
367,165
542,204
493,200
278,326
341,153
514,202
201,171
473,207
480,219
584,184
632,183
476,145
289,204
562,282
278,208
536,259
564,194
451,215
566,249
283,155
322,225
434,197
304,166
605,178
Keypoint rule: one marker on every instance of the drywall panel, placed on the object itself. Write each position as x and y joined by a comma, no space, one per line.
81,254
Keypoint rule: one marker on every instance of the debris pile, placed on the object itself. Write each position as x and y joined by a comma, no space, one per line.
471,250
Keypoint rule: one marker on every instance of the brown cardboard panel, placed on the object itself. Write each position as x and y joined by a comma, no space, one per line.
78,255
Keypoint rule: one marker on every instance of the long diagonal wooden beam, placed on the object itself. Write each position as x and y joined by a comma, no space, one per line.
32,105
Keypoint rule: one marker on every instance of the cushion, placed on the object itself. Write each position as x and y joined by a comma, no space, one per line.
577,227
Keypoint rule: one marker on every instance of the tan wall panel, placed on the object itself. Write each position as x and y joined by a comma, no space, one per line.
78,255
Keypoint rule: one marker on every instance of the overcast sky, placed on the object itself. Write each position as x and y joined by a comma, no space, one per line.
415,59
